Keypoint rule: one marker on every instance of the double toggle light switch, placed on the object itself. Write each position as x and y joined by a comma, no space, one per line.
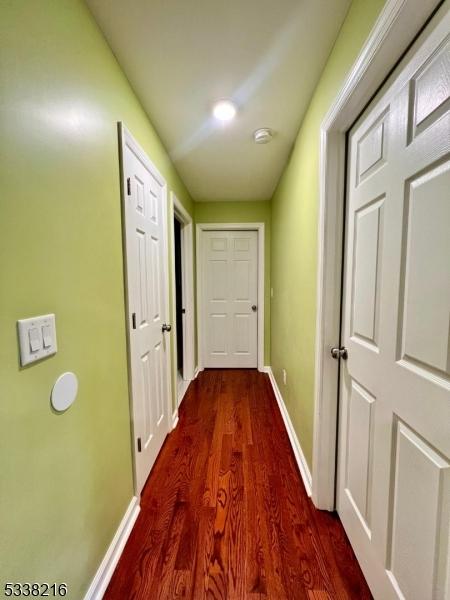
37,337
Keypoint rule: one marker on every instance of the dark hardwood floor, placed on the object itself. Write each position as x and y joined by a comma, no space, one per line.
224,512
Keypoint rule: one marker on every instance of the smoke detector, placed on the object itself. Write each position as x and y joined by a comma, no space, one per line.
263,135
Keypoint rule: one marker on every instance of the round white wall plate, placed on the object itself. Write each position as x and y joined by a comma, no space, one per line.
64,391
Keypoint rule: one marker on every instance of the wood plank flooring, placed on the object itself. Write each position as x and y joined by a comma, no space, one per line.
225,514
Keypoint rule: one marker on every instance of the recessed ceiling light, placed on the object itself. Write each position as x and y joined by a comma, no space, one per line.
224,110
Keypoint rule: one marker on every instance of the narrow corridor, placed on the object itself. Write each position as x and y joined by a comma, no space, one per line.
224,512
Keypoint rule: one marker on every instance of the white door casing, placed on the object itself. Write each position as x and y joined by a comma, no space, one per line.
229,274
394,438
145,232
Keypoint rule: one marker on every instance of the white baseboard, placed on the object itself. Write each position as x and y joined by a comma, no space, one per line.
298,452
182,389
197,371
111,558
264,369
174,419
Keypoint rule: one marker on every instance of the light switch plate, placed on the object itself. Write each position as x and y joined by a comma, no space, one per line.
31,338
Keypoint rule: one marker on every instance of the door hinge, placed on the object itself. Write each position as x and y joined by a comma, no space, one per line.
139,445
133,320
129,186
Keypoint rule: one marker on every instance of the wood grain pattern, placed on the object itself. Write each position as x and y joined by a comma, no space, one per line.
224,513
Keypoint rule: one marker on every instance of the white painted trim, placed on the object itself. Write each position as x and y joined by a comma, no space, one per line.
178,211
396,27
174,418
260,229
114,552
167,306
196,372
127,139
295,443
182,391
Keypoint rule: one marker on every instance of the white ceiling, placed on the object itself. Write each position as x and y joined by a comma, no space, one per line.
182,55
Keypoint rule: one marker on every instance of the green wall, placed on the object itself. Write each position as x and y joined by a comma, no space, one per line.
66,479
244,212
294,233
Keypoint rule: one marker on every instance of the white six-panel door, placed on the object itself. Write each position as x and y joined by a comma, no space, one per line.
394,443
146,266
230,297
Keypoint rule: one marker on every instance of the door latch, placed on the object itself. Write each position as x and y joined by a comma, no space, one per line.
139,445
338,353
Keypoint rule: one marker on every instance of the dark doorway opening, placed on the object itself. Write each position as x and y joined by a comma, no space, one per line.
178,294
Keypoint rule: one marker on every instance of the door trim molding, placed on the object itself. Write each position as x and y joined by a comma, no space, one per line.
127,139
177,210
396,27
259,228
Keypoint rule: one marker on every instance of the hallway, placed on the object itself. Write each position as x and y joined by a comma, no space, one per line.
224,512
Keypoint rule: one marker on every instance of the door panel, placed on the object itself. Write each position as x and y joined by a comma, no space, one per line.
359,451
155,277
426,284
394,438
242,330
217,334
419,516
367,262
371,149
241,278
217,280
431,86
229,282
146,296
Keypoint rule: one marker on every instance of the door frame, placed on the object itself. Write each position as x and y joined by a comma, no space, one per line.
397,26
127,139
259,228
178,211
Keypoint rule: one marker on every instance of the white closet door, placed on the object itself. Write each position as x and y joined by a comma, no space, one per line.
230,291
147,282
394,443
